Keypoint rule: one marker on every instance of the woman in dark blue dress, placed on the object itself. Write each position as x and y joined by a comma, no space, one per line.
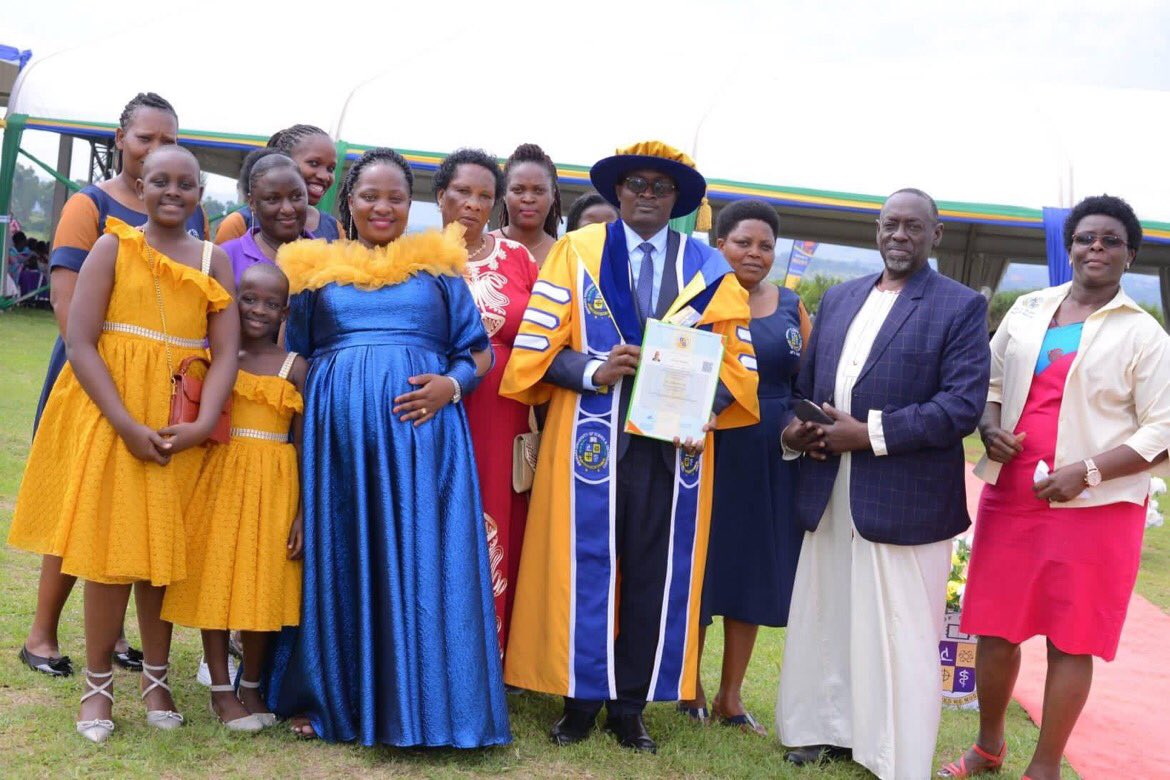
397,643
755,541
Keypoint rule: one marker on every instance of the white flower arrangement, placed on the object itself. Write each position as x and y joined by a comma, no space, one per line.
1153,514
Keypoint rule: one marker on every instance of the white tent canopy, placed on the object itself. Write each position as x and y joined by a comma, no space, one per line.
728,84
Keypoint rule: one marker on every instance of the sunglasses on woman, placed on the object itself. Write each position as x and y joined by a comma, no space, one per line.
1107,240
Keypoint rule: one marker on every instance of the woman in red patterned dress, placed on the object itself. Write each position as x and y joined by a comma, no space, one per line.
500,273
532,201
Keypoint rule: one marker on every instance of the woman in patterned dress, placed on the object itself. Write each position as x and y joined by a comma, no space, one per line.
500,273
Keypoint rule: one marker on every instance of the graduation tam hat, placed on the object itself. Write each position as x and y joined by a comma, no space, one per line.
608,172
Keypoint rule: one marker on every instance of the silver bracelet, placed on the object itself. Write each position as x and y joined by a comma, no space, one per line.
458,389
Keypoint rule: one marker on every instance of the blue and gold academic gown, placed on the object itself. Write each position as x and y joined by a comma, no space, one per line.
566,612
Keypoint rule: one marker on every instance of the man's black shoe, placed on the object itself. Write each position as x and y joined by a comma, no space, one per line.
815,754
574,726
631,732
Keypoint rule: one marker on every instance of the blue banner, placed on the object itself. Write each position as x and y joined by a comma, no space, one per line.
1059,269
798,260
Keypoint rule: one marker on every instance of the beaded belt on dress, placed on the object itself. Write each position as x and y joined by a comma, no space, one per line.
154,335
250,433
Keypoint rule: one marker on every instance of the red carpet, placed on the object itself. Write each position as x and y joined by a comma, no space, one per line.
1129,705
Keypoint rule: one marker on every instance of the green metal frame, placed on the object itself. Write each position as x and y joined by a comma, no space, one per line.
13,130
71,185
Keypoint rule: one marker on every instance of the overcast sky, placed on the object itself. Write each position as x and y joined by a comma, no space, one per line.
1073,42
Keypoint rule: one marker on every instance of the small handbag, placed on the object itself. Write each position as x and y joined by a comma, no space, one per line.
185,395
187,390
524,450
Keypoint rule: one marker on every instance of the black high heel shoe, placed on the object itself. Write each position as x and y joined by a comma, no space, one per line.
129,659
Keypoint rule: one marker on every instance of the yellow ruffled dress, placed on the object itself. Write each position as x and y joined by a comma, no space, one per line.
111,517
239,576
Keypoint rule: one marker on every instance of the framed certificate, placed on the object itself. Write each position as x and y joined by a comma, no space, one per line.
674,388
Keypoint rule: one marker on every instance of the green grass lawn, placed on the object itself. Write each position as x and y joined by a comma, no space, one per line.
37,714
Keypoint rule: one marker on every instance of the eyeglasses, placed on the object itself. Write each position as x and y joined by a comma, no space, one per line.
1107,240
639,184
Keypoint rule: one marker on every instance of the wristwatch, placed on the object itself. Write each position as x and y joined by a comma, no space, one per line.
458,390
1092,473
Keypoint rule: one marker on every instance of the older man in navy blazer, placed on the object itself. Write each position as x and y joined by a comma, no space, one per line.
899,361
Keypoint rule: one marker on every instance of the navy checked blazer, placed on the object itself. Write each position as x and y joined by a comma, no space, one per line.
928,373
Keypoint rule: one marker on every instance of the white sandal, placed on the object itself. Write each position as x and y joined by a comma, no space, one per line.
166,720
266,718
248,722
97,730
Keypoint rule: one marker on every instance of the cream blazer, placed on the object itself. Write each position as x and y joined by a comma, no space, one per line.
1117,391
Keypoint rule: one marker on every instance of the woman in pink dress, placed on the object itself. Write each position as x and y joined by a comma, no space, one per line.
500,273
1077,415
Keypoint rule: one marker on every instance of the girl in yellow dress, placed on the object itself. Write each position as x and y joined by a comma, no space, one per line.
107,477
244,523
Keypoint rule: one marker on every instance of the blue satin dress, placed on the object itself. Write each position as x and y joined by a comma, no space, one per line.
397,643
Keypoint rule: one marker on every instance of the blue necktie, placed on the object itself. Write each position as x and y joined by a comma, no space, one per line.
646,281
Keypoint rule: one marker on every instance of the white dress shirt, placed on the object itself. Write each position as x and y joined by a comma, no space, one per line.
855,351
636,257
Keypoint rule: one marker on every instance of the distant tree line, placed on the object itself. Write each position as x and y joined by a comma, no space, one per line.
32,202
812,289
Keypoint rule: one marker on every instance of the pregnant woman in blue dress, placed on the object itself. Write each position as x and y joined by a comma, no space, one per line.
755,542
397,643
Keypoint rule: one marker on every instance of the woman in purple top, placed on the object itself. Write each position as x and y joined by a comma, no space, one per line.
279,200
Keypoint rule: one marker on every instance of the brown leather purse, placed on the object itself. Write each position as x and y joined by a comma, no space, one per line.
185,397
187,390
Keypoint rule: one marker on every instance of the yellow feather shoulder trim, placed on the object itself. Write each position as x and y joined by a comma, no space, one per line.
310,264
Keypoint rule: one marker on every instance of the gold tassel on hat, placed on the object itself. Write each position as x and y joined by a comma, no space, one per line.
703,216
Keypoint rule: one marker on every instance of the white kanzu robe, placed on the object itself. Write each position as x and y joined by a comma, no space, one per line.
861,666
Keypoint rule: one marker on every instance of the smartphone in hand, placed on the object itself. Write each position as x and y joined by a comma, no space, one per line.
807,411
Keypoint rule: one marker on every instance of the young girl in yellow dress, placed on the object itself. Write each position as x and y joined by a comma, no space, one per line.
244,523
107,477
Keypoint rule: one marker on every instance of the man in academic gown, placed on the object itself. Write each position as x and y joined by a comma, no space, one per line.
607,599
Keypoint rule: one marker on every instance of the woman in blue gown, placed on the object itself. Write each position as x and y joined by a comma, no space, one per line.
755,540
397,643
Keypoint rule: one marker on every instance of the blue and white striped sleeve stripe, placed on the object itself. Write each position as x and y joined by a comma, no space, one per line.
554,293
542,318
531,341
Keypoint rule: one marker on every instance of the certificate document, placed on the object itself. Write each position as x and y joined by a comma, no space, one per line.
674,389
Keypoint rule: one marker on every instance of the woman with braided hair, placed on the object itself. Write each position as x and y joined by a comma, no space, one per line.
532,201
147,122
397,641
313,151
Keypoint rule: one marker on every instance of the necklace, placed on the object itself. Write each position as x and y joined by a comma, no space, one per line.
545,239
274,247
478,249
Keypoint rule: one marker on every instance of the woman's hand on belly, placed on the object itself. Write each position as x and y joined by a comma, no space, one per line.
434,392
